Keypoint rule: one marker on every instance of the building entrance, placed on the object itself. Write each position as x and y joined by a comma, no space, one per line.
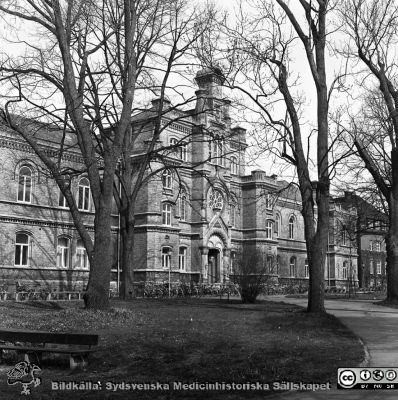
214,266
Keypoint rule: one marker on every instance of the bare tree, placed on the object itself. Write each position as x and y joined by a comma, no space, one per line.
372,28
262,60
85,69
252,270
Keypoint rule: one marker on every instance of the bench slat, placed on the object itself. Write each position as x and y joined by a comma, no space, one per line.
47,349
13,335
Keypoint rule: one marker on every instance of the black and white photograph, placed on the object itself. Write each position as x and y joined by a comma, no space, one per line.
198,199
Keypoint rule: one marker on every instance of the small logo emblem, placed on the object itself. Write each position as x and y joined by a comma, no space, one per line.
24,373
391,375
347,378
365,375
378,374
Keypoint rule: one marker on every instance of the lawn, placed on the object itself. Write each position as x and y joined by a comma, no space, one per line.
186,340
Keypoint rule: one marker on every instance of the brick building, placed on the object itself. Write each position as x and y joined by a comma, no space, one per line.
370,230
192,218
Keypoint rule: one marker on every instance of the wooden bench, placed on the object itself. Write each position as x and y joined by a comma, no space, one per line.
34,343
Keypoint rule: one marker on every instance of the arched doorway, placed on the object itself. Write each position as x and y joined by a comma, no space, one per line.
215,259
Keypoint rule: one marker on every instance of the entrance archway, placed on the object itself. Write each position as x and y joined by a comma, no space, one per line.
215,259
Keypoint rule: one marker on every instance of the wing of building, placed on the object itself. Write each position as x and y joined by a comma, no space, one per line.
193,217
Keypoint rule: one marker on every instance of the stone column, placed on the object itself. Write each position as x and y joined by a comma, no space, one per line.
226,265
204,251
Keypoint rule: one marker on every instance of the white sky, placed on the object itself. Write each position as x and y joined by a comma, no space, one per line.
300,68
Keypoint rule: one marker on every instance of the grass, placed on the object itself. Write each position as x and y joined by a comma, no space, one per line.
188,340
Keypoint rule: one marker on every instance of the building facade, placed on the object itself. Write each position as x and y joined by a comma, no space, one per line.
194,215
370,231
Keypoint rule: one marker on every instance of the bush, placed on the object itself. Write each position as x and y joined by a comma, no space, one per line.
252,270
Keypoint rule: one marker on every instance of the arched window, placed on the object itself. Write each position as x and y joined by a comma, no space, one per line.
216,200
25,184
166,257
182,258
268,229
83,195
22,249
292,267
291,227
166,214
81,255
167,179
278,225
345,270
234,165
182,203
63,252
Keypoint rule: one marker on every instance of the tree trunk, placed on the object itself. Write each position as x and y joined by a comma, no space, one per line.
316,290
128,290
97,295
316,245
392,235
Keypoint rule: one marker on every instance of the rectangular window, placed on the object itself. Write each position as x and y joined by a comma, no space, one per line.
234,166
378,267
345,271
22,244
166,214
371,267
182,258
184,152
21,254
63,251
62,200
84,198
371,245
218,152
268,230
166,258
344,238
268,202
306,269
82,258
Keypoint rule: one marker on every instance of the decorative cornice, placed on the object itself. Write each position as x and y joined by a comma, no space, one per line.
38,222
14,144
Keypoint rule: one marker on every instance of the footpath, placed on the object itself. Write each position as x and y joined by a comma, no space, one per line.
377,327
